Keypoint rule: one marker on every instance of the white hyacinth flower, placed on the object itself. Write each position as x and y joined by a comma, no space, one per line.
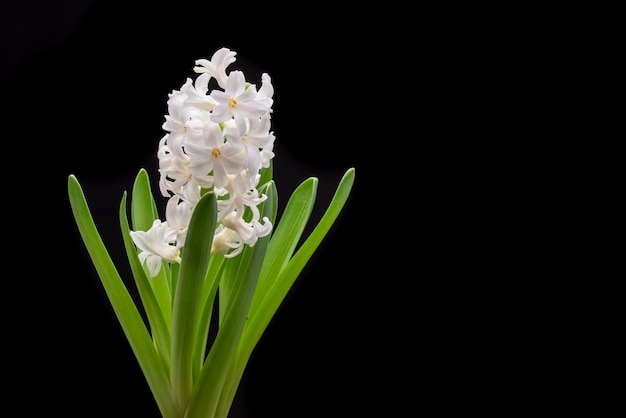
238,101
215,140
216,67
155,246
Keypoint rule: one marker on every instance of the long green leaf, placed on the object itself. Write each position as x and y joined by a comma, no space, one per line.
240,263
228,281
257,324
123,305
212,379
187,307
158,324
143,213
143,208
260,318
274,297
284,240
209,291
285,237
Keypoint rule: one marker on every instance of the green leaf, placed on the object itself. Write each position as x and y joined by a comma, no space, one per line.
267,173
143,209
122,303
187,307
214,374
274,297
158,323
143,213
229,281
209,291
285,237
261,316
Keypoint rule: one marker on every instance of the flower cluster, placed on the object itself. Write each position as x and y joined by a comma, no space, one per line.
216,139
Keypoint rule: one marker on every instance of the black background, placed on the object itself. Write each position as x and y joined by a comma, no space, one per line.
84,87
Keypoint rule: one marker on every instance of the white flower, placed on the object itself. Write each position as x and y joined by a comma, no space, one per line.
197,94
267,154
238,201
266,92
216,68
214,157
226,239
155,246
183,122
249,232
172,169
237,101
215,140
191,192
178,214
254,135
